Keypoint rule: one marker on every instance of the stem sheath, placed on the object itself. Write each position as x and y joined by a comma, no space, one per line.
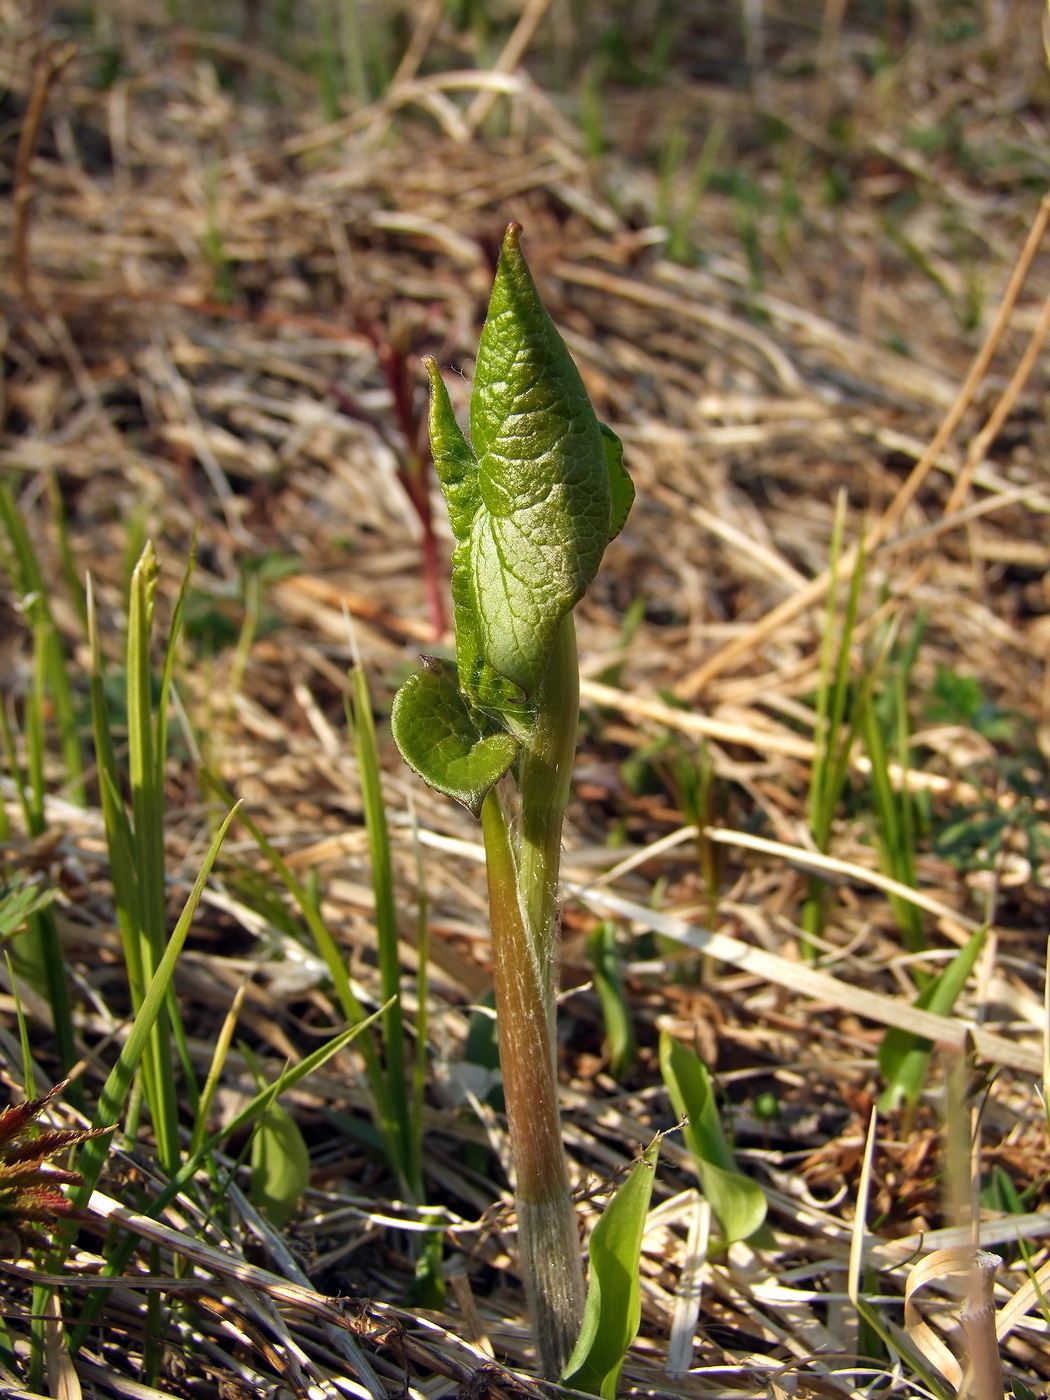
522,901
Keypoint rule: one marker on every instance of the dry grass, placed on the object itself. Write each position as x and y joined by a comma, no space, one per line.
201,291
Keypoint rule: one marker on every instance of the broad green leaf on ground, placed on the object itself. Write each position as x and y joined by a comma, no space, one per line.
614,1301
450,744
903,1056
534,497
280,1166
736,1200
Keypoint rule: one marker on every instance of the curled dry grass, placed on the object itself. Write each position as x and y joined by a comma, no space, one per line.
206,296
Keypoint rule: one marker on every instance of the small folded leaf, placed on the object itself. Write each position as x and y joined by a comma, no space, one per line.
614,1300
621,487
737,1201
454,459
454,747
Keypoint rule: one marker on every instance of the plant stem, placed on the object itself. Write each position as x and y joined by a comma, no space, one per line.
522,898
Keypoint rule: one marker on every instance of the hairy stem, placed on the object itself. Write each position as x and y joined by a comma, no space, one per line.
522,897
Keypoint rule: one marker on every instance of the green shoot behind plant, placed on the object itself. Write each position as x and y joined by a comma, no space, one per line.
836,729
614,1295
736,1200
534,497
616,1014
885,726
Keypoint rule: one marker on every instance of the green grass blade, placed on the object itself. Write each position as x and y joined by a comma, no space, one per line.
614,1300
386,1113
29,579
616,1014
118,1256
70,573
168,669
118,1083
367,752
136,845
218,1060
895,833
822,731
419,1066
904,1057
147,800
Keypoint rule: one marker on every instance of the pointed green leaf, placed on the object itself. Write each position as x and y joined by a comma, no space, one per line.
280,1166
735,1199
545,509
452,746
454,459
903,1056
614,1300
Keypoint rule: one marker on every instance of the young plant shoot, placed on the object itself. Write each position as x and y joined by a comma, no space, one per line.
534,497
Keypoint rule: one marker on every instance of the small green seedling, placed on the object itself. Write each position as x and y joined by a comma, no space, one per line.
534,497
614,1298
737,1200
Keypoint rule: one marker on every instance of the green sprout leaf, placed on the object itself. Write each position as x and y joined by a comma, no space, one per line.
280,1166
735,1199
614,1300
534,497
451,745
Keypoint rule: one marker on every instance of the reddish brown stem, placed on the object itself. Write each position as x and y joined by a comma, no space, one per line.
49,65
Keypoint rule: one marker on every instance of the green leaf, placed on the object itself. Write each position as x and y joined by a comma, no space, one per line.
280,1166
452,746
903,1056
614,1301
735,1199
616,1013
536,498
457,470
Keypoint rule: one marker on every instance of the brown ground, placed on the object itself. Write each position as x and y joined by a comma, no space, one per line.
214,310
